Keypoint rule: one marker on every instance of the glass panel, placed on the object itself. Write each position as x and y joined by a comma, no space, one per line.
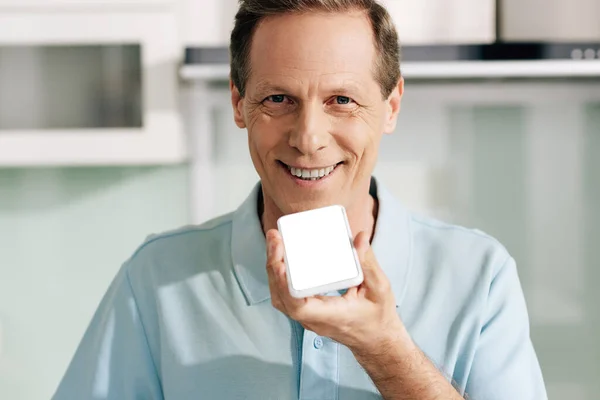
232,163
64,233
519,160
70,87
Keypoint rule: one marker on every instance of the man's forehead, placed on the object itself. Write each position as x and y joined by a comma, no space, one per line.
330,47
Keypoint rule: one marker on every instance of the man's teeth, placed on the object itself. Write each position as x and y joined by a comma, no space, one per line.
311,174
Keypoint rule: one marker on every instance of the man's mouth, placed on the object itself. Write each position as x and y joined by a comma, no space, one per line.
312,174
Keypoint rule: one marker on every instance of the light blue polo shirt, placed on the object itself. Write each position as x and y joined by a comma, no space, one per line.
189,317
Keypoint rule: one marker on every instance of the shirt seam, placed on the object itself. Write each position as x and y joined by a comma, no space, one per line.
409,260
443,226
245,290
299,347
483,316
179,233
494,274
144,332
302,365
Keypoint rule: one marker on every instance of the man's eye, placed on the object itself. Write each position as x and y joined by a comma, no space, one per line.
342,100
276,98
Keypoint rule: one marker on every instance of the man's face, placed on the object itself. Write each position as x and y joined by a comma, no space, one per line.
314,113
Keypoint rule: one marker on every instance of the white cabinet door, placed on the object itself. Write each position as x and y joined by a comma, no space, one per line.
443,21
551,20
156,138
80,4
207,23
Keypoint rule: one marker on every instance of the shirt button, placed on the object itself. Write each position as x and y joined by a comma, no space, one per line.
318,342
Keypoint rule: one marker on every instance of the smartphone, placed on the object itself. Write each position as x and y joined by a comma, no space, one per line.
319,252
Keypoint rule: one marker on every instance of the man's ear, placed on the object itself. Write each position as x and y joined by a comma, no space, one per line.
237,102
393,107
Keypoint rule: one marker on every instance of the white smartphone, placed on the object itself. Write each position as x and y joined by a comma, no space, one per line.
319,252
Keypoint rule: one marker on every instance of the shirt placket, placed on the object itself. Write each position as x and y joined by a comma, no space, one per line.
319,371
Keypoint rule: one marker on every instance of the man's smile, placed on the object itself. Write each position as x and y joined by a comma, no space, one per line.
310,174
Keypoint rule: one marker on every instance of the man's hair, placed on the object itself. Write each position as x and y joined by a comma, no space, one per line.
252,12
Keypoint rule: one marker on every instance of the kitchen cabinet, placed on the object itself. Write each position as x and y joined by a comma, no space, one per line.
79,4
444,21
50,81
551,20
209,23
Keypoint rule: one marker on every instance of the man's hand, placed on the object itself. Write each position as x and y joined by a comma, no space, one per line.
364,319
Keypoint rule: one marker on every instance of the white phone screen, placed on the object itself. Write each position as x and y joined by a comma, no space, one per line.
318,247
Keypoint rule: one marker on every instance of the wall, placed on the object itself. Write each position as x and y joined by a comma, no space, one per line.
63,235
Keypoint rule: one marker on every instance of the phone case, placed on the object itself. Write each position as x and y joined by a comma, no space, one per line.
333,286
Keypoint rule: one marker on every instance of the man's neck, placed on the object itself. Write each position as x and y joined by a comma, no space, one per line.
362,215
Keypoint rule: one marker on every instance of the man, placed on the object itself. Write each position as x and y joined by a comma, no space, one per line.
204,312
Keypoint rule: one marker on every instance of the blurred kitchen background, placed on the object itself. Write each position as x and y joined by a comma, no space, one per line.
115,123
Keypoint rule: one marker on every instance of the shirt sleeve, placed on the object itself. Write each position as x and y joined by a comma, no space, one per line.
113,360
505,365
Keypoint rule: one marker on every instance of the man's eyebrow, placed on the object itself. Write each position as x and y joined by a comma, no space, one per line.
268,87
340,89
347,90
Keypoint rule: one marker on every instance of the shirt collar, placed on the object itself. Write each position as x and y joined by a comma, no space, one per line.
391,245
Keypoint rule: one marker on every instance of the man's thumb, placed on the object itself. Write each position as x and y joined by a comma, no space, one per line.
361,244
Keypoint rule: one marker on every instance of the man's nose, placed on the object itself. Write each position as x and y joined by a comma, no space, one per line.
310,133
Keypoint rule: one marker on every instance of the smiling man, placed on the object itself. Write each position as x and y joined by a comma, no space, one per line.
204,312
